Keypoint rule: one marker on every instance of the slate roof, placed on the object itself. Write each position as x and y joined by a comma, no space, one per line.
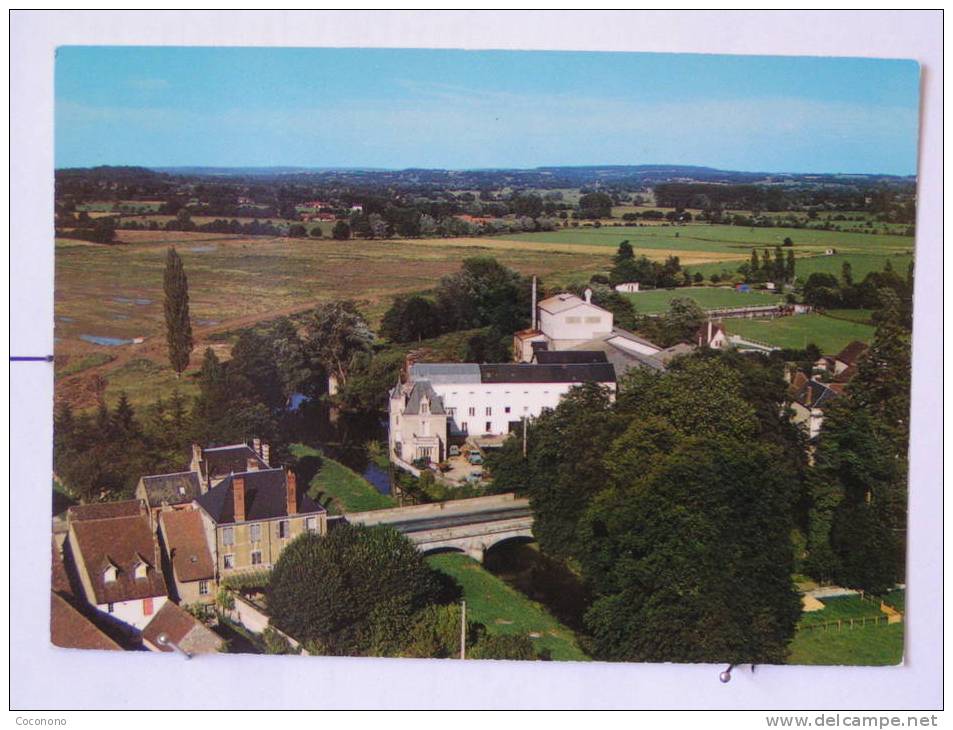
534,373
439,373
265,498
122,541
184,536
670,353
179,488
182,629
72,630
422,388
223,460
562,357
622,359
814,394
851,354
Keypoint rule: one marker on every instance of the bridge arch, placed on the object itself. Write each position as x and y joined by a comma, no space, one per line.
509,540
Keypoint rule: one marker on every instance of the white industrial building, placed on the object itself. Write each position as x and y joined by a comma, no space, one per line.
441,401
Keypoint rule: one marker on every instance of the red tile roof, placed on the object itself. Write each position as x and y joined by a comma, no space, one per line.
182,629
850,354
122,541
72,630
184,536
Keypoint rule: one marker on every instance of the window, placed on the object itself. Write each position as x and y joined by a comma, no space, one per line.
451,412
489,411
109,575
228,536
424,407
463,427
147,606
506,409
256,557
593,320
573,320
525,409
311,524
140,570
228,562
111,607
203,587
489,426
471,411
283,529
254,532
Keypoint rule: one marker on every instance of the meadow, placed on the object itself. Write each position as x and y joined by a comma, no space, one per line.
796,332
115,292
340,489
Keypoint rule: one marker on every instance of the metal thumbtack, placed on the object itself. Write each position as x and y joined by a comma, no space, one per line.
164,640
724,677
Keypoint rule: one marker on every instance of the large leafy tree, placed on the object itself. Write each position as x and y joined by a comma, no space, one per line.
340,592
690,557
334,334
485,293
178,326
411,318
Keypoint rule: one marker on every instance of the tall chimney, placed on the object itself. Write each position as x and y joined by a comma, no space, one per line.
196,458
256,445
266,454
534,303
588,294
238,495
709,333
291,483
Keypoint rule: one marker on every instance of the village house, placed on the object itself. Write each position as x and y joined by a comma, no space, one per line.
713,335
117,560
189,567
440,401
843,365
251,516
809,398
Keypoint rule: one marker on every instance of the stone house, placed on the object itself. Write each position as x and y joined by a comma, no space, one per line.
188,566
250,517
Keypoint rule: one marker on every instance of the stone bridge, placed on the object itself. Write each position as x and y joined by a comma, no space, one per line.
471,526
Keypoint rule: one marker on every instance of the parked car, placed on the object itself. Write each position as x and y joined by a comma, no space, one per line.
454,451
476,458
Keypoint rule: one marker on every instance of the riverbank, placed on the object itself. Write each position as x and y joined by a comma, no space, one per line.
338,488
504,610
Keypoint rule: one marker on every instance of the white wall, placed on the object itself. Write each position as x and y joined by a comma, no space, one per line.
130,612
581,323
523,399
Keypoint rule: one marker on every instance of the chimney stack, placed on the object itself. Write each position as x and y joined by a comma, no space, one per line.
266,454
256,445
588,294
238,495
709,333
251,464
292,489
534,303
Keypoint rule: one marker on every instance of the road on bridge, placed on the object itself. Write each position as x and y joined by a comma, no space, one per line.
473,518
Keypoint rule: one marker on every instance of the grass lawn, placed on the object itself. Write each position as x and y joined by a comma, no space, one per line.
504,610
340,489
657,300
880,645
842,608
831,335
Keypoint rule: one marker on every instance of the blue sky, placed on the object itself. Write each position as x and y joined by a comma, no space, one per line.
168,106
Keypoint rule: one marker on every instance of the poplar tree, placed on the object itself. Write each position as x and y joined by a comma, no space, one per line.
178,326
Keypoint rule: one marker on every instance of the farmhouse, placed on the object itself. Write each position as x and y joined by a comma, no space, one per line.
189,566
809,398
843,365
441,401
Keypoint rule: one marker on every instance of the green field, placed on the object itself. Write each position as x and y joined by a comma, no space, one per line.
503,610
843,608
871,645
829,334
340,489
723,239
657,300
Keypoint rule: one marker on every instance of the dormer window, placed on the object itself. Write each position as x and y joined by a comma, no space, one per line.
139,569
110,574
424,407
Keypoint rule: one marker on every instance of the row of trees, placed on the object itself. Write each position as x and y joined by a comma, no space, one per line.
780,269
627,266
827,290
